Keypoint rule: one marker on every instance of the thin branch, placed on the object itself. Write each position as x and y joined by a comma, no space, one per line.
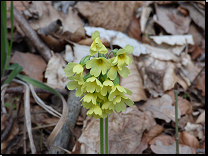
32,35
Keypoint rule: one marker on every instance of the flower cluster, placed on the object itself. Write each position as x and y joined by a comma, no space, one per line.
100,87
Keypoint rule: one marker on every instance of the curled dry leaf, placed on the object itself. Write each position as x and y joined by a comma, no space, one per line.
125,132
200,83
161,108
164,138
154,131
188,68
188,139
196,14
56,77
144,17
134,83
33,65
195,129
170,77
171,21
134,29
159,148
201,118
109,14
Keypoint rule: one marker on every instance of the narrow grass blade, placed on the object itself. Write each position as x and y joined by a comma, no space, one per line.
4,41
37,84
16,70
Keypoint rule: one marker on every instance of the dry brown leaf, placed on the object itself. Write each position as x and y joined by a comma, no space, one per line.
56,77
196,14
154,131
170,77
125,132
109,14
195,130
164,138
188,139
33,65
183,104
134,30
161,108
159,148
171,21
49,121
201,118
200,83
134,83
188,68
37,118
143,144
47,14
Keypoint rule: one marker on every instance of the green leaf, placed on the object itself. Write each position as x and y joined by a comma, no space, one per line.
37,84
84,60
88,75
12,28
16,70
4,42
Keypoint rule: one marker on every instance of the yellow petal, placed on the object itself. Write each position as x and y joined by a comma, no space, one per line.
124,72
112,73
129,49
120,107
95,35
72,85
78,69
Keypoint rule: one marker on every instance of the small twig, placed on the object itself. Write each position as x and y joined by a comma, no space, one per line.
39,127
32,35
7,129
176,119
24,137
20,89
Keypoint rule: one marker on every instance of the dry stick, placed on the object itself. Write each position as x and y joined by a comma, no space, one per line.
20,89
32,35
63,138
24,137
27,114
176,120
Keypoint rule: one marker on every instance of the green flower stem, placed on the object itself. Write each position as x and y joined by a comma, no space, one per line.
101,137
109,54
106,135
176,121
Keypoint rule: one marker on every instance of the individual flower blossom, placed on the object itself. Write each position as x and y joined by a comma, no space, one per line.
90,97
120,101
123,58
118,90
91,85
73,68
107,108
78,78
112,73
87,105
97,45
75,85
107,85
95,111
98,65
